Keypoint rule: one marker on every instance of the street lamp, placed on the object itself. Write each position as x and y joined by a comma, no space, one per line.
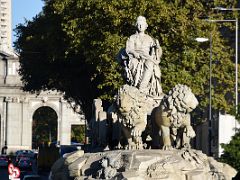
226,9
202,39
236,53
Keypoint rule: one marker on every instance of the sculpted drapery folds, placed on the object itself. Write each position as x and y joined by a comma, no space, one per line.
142,67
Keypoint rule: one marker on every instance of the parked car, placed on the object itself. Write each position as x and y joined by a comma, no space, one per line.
20,156
4,161
24,155
23,151
25,164
32,177
79,145
28,175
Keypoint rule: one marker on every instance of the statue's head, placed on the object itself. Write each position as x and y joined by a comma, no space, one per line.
141,23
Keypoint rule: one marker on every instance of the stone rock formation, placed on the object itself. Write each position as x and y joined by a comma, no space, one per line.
185,164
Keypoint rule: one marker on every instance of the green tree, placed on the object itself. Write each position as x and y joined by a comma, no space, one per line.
78,133
231,153
72,45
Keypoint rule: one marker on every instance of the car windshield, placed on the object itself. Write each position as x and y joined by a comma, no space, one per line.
24,151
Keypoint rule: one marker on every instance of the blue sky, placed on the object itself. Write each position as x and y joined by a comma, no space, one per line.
24,9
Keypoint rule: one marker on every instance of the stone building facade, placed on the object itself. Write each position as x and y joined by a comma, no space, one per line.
5,24
17,109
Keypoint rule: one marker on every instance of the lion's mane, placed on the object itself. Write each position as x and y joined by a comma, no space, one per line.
132,98
175,103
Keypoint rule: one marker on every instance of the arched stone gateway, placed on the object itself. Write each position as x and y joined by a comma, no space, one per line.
44,126
17,109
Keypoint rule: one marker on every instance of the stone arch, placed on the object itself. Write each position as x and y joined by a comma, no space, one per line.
44,126
40,104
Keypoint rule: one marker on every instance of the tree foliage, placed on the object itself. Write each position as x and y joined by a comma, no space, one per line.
78,134
72,46
231,153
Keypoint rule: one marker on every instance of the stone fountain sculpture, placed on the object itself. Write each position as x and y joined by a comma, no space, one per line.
140,101
173,117
143,91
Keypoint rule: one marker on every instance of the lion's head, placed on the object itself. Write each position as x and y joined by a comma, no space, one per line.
131,104
181,98
180,101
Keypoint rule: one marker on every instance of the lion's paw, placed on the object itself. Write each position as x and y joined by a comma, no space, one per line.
186,146
167,147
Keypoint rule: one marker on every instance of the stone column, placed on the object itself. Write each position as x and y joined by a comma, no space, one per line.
5,119
65,126
99,124
26,120
2,122
59,134
102,128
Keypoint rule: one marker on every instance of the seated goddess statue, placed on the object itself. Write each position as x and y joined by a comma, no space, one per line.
142,59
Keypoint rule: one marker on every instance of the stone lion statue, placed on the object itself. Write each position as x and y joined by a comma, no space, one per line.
132,107
173,117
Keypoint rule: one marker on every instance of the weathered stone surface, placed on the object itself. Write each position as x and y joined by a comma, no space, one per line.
144,164
71,157
58,165
59,170
74,168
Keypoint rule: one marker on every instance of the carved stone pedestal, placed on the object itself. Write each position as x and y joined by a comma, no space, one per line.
142,164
